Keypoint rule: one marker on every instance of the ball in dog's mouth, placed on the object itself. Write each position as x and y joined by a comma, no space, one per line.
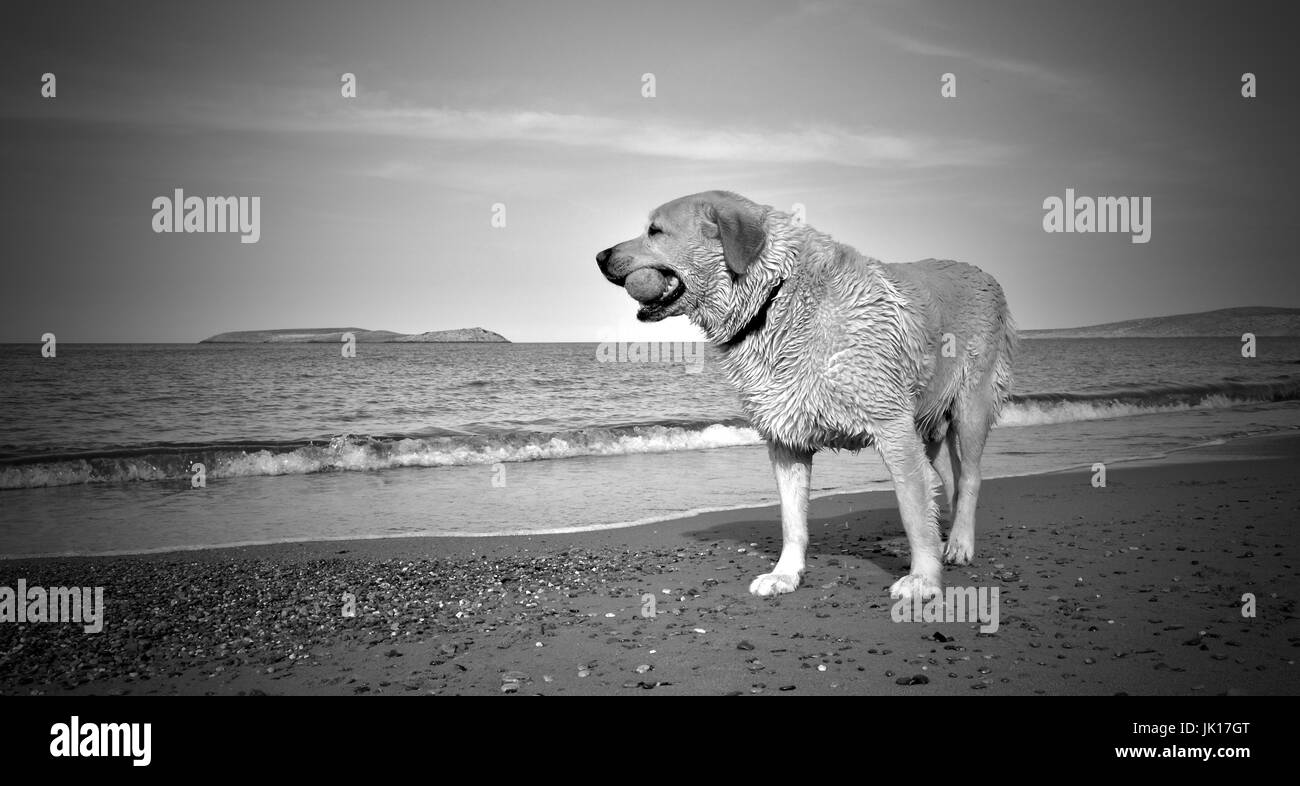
655,289
648,284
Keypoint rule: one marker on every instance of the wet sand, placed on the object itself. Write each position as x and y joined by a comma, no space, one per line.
1133,588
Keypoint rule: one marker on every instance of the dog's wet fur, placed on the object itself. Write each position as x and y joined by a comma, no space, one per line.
833,349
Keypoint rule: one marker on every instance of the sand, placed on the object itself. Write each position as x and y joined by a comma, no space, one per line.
1132,588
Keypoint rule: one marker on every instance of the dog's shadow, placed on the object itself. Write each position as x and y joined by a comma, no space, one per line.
874,536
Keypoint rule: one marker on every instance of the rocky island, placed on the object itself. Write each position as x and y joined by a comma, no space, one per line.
1259,320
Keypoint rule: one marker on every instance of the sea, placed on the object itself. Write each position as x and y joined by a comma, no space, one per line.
113,449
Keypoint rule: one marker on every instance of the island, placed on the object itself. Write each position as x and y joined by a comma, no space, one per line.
475,335
1259,320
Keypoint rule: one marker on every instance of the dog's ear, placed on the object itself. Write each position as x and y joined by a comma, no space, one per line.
740,227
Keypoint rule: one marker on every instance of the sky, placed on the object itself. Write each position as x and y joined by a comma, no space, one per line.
377,211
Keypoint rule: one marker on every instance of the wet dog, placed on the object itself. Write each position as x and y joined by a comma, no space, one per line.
831,349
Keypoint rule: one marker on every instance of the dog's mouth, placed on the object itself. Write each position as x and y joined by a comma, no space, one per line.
656,289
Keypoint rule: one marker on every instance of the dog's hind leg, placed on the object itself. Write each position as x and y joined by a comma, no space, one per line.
793,469
914,485
942,452
974,418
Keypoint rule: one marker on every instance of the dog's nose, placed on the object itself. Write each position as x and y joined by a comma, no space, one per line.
604,260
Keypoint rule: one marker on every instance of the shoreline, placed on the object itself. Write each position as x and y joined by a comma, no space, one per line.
1189,453
1132,588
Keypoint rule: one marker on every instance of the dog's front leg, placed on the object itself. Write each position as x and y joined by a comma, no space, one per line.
915,485
793,470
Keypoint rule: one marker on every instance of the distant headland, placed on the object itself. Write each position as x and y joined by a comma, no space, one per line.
1259,320
335,335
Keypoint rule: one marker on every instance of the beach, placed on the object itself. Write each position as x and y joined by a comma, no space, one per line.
1132,588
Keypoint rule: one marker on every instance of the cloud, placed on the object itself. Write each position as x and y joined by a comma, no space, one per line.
393,169
301,113
1022,68
813,144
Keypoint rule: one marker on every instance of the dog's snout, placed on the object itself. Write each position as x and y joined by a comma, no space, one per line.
603,260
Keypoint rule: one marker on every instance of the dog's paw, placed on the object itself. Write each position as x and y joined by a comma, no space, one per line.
959,551
914,584
774,584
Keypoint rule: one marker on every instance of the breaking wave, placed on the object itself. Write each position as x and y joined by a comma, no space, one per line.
1046,408
354,453
169,462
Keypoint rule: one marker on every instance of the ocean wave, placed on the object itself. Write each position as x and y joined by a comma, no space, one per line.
449,448
1037,409
349,453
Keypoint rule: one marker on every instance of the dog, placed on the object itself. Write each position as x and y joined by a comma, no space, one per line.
831,349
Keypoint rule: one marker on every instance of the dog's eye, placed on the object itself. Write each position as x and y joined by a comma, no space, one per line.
653,230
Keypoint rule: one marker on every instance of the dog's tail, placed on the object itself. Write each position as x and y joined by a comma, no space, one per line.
1007,344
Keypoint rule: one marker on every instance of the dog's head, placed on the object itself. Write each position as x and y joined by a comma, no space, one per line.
699,256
